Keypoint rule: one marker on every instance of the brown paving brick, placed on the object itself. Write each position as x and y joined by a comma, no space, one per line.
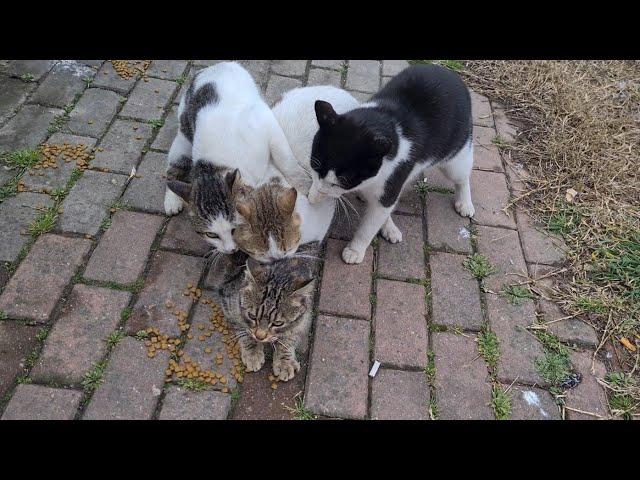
505,127
570,330
410,201
167,279
123,249
337,381
517,176
481,110
434,178
446,230
530,403
398,395
122,146
589,396
51,263
502,248
34,402
462,391
405,259
345,222
17,341
180,235
78,338
486,155
538,247
132,384
401,329
490,195
519,348
334,297
455,294
183,404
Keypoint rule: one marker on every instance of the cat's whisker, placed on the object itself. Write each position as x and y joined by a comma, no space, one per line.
348,203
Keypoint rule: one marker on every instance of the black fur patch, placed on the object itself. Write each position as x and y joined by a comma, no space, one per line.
211,195
180,168
194,101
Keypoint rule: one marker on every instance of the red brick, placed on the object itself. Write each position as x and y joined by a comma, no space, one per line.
51,263
183,404
132,384
337,382
78,338
455,294
34,402
446,230
502,248
345,288
123,249
167,280
180,235
16,343
401,327
405,259
410,201
462,391
538,246
434,178
589,396
398,395
490,195
530,403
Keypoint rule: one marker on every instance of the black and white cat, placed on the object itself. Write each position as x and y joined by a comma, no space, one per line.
421,118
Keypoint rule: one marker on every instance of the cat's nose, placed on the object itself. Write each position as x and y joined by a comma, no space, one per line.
261,334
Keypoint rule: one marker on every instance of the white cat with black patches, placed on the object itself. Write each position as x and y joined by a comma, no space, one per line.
224,125
421,118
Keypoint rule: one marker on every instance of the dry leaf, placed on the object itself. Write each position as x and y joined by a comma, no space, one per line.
571,194
628,345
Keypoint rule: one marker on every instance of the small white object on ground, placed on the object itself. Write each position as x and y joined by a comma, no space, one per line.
374,369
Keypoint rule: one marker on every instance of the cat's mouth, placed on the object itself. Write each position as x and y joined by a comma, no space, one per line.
263,337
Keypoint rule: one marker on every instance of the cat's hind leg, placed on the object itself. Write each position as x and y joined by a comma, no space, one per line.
178,167
458,170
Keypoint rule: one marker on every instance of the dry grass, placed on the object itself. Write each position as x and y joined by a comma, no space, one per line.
580,129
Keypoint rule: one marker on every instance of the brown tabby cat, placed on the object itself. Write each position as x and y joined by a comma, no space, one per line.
266,306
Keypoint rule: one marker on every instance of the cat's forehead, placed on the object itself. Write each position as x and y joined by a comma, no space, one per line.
219,223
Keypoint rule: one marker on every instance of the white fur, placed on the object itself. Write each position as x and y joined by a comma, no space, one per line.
458,170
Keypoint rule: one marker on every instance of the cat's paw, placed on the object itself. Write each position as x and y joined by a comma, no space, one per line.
351,255
172,203
285,369
390,232
252,359
465,209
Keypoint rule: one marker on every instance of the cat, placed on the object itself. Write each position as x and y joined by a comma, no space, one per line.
226,126
276,218
269,304
420,118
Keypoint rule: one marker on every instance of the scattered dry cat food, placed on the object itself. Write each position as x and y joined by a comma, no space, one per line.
69,153
130,68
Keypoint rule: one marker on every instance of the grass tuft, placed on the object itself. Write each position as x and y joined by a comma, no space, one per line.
94,377
489,346
501,403
115,337
516,294
479,266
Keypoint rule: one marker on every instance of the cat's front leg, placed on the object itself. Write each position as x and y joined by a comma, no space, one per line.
374,218
251,353
178,167
285,365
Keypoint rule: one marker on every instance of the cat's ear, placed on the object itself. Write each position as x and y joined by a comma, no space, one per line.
231,178
300,296
300,283
256,270
380,145
182,189
287,200
325,114
244,209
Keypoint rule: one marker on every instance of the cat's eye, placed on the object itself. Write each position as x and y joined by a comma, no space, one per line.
251,316
277,324
211,235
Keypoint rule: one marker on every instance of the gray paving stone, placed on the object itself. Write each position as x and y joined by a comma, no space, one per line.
93,112
405,259
107,77
481,110
455,294
37,68
148,100
291,68
446,230
258,70
167,132
398,395
502,249
62,84
28,128
530,403
361,97
435,179
538,246
589,396
16,214
320,76
337,381
183,404
123,249
167,69
146,192
13,93
363,76
505,127
51,263
490,196
334,64
17,341
167,279
78,338
53,178
346,221
88,201
132,384
207,63
393,67
410,201
278,86
462,389
122,146
569,330
92,63
35,402
180,235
